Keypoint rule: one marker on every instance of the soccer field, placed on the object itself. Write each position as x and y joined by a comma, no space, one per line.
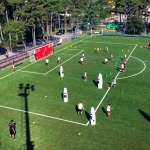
55,125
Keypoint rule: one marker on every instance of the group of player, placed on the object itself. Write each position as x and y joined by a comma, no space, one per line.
122,67
106,60
80,109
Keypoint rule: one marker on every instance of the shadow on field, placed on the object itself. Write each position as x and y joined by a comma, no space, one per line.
88,116
95,82
24,92
145,115
104,110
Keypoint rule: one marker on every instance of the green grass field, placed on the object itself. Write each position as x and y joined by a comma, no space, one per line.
55,125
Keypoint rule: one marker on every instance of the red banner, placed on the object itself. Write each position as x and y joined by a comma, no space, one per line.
44,51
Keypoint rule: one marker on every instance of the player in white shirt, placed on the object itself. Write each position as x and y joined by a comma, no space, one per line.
85,77
83,55
114,82
46,61
105,61
125,56
80,108
13,67
112,56
109,110
58,60
122,67
81,60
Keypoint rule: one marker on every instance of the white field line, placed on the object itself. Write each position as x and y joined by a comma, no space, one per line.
136,74
112,43
14,72
64,62
38,61
32,72
43,115
73,49
109,87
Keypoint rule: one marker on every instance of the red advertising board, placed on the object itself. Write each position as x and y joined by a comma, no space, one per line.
44,51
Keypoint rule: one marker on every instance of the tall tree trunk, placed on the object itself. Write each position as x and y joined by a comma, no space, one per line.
51,23
33,36
1,32
47,29
23,42
65,20
42,27
59,22
10,43
120,18
17,37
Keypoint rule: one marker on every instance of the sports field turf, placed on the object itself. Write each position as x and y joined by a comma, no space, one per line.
55,125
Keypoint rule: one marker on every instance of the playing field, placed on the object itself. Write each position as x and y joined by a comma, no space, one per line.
50,124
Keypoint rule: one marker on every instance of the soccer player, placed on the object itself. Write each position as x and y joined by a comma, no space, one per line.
46,61
114,82
83,55
125,56
81,60
58,60
85,77
109,110
105,61
97,50
13,66
12,129
107,49
122,67
80,108
112,56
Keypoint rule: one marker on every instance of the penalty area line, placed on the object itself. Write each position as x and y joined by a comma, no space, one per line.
113,43
43,115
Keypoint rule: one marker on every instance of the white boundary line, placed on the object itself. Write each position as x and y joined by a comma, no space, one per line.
32,72
14,72
110,43
43,115
136,74
106,93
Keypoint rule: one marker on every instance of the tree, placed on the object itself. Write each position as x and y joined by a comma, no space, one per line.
133,10
16,29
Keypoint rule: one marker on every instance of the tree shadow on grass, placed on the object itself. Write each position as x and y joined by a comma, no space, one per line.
145,115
